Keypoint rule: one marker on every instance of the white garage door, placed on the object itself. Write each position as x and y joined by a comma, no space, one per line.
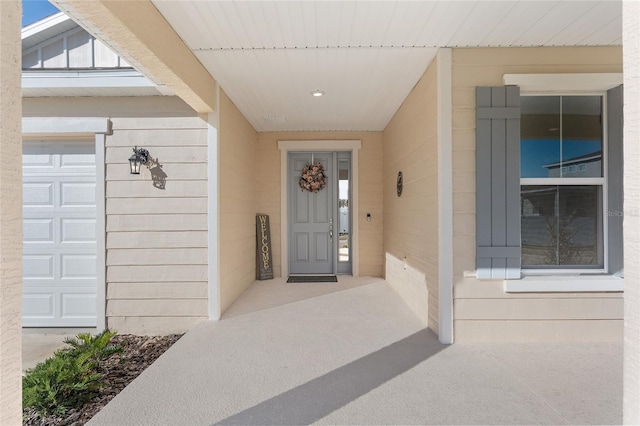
59,208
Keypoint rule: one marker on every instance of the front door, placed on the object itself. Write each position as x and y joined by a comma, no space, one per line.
312,217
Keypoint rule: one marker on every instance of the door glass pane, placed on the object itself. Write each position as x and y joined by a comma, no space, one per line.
561,226
561,136
344,222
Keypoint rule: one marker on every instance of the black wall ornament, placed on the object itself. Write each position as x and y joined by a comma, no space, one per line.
399,184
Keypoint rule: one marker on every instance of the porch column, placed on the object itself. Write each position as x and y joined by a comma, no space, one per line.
10,213
631,60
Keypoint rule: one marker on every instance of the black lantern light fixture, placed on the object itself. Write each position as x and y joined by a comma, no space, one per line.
140,156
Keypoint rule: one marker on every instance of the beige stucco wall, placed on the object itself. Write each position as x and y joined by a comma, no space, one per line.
156,264
10,216
631,27
411,220
482,310
371,258
237,185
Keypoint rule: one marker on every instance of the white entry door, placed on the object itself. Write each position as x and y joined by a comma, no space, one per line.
59,255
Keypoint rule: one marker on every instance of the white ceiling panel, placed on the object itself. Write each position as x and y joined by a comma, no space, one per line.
285,78
562,15
365,55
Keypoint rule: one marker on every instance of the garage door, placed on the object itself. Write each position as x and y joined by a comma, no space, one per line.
59,209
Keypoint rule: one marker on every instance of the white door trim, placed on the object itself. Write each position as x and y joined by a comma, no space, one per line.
98,128
352,146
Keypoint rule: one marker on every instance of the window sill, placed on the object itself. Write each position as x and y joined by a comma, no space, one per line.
564,284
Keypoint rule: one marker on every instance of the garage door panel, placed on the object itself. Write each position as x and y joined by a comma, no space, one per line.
86,162
78,305
77,194
38,305
38,194
39,162
59,207
39,266
78,230
38,231
78,266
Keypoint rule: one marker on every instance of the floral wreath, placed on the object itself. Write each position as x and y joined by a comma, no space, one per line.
312,178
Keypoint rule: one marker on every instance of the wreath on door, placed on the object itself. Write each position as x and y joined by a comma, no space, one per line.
312,178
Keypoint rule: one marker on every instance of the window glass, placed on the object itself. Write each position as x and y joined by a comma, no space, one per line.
561,136
344,234
561,225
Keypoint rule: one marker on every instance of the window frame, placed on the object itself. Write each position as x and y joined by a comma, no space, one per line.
568,280
586,181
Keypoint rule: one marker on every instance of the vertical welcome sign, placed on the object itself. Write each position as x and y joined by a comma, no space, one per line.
264,260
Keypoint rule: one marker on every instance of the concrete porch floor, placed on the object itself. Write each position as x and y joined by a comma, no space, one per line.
353,353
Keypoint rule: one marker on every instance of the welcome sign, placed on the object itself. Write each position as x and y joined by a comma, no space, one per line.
264,260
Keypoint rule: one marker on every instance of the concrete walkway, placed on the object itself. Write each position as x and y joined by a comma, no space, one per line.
353,353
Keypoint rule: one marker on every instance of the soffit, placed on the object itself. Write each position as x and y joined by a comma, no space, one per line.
366,56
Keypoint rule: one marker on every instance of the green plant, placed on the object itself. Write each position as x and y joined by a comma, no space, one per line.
97,348
69,378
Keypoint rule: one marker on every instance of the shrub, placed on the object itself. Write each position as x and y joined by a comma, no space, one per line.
97,348
68,379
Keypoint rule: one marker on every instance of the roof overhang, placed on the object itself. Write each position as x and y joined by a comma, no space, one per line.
40,83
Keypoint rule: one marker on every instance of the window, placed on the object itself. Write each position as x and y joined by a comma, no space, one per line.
535,214
562,182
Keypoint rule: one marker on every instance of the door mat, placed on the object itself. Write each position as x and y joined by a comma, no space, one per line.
312,279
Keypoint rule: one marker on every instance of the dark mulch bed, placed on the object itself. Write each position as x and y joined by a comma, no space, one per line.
119,370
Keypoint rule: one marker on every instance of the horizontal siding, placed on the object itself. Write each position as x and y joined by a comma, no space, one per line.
482,310
158,239
538,309
157,290
539,331
174,307
160,137
164,154
137,206
173,189
371,255
157,273
157,222
174,171
172,256
156,325
157,255
411,221
237,192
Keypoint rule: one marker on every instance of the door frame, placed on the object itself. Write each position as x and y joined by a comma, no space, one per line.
89,128
285,147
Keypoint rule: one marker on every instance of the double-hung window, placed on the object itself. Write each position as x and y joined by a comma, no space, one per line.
562,182
549,180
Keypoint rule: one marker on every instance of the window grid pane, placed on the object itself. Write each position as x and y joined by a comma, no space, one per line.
561,226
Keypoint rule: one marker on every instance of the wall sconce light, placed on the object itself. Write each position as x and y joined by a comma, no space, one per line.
140,156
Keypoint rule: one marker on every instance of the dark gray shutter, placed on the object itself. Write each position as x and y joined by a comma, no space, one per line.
614,216
498,247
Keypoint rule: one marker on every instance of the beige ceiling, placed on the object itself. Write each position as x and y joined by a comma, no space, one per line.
366,56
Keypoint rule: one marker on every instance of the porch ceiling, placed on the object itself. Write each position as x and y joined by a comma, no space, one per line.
366,56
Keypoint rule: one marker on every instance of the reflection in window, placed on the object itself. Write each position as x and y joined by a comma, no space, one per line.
561,225
561,136
344,240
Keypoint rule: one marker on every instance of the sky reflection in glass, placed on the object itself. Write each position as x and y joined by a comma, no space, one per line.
561,136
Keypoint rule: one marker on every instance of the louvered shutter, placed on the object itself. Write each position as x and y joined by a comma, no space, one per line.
498,248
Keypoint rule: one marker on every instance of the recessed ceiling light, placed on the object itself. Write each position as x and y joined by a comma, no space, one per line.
317,93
